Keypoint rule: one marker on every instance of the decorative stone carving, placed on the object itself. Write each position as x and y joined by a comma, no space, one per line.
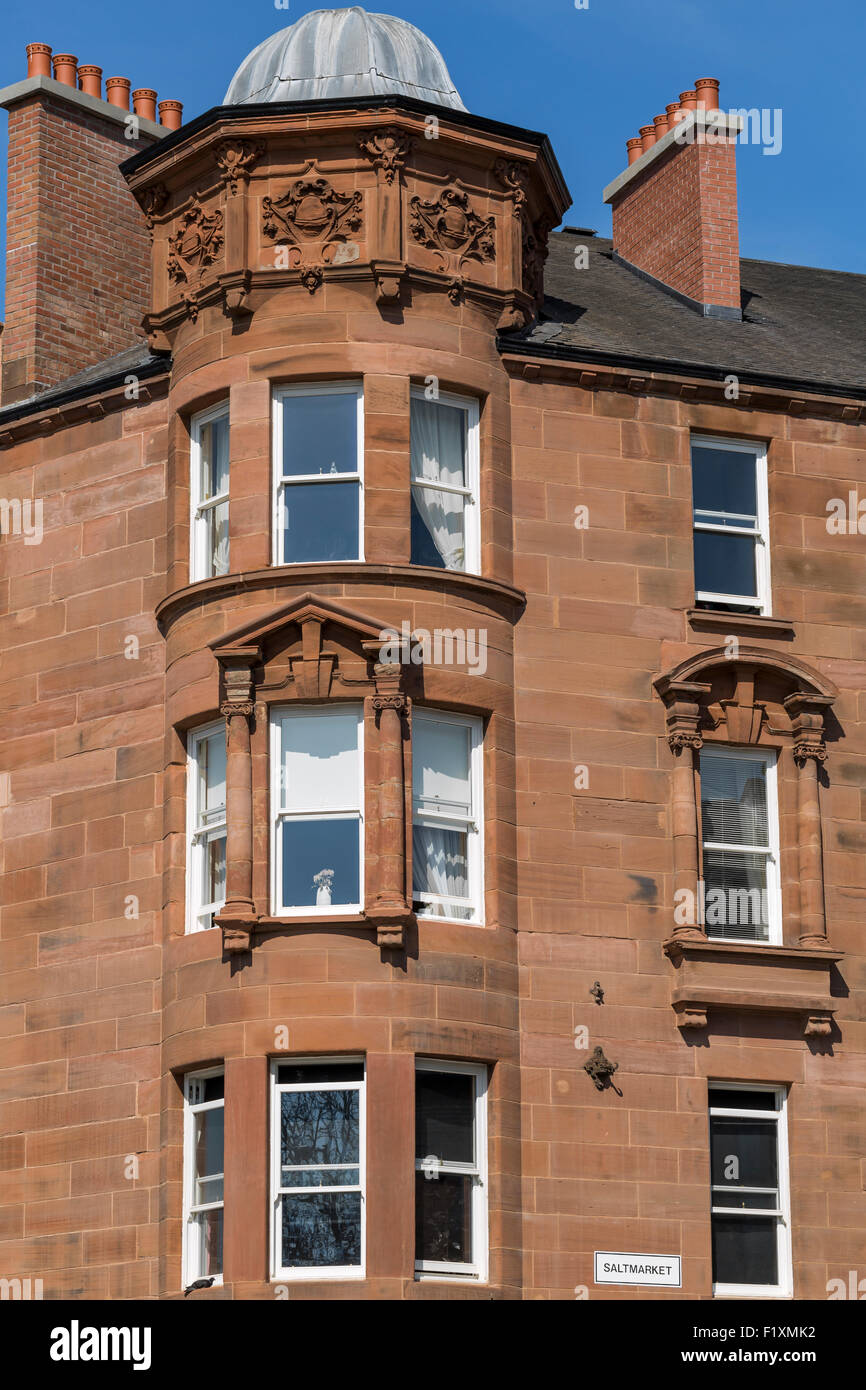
535,250
236,158
387,149
597,993
514,177
600,1069
196,243
151,201
450,225
312,211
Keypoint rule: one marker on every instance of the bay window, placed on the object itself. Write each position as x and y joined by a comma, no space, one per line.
740,835
204,1142
206,825
444,472
750,1201
731,526
317,796
209,494
318,1165
318,473
451,1169
447,851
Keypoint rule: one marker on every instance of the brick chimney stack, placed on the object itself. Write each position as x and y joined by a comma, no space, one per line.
675,204
77,247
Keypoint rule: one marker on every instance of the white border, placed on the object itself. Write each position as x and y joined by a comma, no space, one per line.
477,1270
785,1286
325,388
769,757
275,714
198,563
763,598
472,473
475,836
296,1272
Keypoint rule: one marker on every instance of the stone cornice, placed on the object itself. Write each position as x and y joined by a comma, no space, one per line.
492,592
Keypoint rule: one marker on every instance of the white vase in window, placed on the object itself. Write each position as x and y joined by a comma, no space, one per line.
322,882
323,895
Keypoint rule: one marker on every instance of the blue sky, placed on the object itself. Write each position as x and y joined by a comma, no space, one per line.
588,77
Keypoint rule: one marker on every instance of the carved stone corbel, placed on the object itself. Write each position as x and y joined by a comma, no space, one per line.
235,159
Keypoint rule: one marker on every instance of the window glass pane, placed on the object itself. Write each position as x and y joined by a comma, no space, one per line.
322,1228
443,1218
725,564
320,761
321,863
208,1147
320,434
212,773
214,457
445,1116
438,442
438,529
319,1127
736,898
206,1236
724,481
217,522
734,800
320,522
440,766
744,1250
746,1201
214,890
731,1099
290,1073
440,866
743,1153
424,550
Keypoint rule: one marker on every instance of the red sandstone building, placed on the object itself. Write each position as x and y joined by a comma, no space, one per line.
434,741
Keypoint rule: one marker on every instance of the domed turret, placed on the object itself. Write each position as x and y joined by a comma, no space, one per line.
344,53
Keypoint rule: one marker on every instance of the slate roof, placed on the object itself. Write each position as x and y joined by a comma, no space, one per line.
801,325
135,360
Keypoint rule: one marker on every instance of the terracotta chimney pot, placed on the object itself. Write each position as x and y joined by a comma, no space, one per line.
635,149
66,69
661,125
38,60
647,137
689,101
117,91
675,113
171,114
707,89
144,103
90,80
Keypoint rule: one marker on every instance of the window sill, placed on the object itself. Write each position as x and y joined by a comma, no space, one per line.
388,923
726,619
752,977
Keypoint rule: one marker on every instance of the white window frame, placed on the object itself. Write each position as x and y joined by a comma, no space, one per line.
472,473
191,1108
477,1270
278,815
278,485
769,757
197,836
760,531
200,563
474,826
306,1272
784,1288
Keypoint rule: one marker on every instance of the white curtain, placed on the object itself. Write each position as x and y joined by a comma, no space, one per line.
439,860
438,457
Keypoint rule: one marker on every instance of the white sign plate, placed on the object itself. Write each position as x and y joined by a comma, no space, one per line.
617,1268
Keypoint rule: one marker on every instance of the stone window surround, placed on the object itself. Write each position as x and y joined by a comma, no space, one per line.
315,676
732,974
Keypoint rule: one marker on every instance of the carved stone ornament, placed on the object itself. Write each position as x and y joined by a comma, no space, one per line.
152,200
236,158
387,149
196,243
513,176
806,749
600,1069
450,225
312,211
535,250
